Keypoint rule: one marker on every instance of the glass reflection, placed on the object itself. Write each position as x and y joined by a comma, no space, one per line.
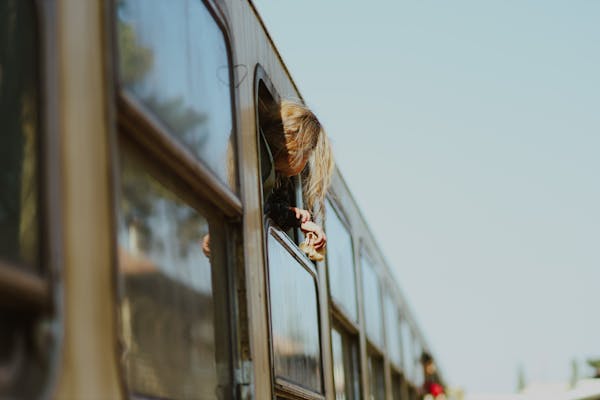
392,330
167,307
181,73
19,115
396,386
345,366
340,263
418,369
372,302
294,319
407,349
376,378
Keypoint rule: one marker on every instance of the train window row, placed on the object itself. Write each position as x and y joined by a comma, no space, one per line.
385,325
178,213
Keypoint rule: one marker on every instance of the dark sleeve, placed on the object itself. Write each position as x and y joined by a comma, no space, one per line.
277,207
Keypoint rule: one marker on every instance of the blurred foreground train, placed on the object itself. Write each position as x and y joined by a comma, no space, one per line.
130,132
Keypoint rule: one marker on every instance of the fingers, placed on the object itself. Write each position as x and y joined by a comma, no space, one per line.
302,215
206,245
319,239
306,216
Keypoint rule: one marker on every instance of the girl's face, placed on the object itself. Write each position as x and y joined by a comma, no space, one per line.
286,166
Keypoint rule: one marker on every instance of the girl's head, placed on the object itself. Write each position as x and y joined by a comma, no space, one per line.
304,142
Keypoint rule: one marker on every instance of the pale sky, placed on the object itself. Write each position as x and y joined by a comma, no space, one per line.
469,134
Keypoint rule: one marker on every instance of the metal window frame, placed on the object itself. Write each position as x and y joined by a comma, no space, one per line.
151,134
283,387
337,306
131,122
40,295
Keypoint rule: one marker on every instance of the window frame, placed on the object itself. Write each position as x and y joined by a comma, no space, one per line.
379,348
224,345
281,386
408,371
344,329
135,124
337,309
387,293
39,295
151,134
375,353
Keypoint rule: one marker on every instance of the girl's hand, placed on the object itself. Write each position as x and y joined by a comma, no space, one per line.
320,240
206,245
302,215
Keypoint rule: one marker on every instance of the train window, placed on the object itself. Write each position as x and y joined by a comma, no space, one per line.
346,378
181,74
372,300
397,386
407,350
19,113
419,375
294,315
340,263
392,330
27,324
173,338
269,124
376,378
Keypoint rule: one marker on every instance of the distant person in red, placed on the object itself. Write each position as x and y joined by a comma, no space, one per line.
431,385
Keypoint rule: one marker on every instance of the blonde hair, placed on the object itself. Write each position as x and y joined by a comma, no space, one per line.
305,139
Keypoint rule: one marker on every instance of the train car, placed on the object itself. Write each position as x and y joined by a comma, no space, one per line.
135,257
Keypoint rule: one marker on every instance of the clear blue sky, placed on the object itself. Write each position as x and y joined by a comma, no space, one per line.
469,133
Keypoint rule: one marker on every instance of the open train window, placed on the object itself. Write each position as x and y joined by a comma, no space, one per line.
296,343
28,319
270,128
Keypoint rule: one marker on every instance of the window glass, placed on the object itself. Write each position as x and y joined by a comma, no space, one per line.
407,350
294,318
167,311
345,366
419,377
340,263
19,115
392,330
396,386
376,378
372,302
173,58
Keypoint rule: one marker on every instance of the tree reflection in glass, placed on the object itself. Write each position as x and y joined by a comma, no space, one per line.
180,73
167,307
19,116
294,319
